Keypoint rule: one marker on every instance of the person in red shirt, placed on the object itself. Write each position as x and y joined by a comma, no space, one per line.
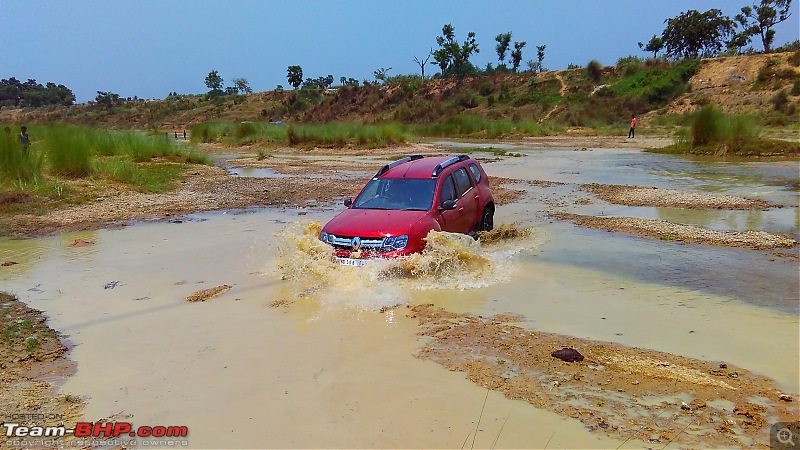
633,126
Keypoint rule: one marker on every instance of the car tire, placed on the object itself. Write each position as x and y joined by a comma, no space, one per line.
487,219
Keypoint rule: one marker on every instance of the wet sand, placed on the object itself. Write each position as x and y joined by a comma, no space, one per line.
34,364
608,388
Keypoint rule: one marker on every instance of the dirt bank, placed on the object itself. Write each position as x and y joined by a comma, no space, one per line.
667,231
625,392
33,360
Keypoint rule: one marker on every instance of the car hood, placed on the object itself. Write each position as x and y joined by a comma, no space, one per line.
373,222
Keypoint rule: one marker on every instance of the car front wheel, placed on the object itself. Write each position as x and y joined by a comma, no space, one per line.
487,219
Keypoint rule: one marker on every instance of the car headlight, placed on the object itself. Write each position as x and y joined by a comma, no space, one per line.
324,237
392,243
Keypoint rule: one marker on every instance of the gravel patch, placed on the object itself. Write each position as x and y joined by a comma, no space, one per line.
659,229
651,196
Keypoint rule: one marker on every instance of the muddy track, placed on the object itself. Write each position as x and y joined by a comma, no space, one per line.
561,92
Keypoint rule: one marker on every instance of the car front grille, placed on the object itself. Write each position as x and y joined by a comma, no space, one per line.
367,243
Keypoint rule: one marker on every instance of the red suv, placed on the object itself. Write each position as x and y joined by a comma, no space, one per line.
404,201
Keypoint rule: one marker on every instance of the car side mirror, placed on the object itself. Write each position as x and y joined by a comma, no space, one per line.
348,201
448,205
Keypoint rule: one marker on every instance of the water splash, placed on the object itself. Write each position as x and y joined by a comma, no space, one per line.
449,261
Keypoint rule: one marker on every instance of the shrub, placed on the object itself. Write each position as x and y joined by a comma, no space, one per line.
780,101
656,86
794,59
709,127
485,88
467,100
706,126
594,70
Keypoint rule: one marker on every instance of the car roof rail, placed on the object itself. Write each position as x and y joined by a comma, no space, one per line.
394,164
439,167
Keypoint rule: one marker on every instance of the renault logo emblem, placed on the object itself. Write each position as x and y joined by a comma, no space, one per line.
356,243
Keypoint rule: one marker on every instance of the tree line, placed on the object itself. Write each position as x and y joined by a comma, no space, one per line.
694,34
14,93
691,34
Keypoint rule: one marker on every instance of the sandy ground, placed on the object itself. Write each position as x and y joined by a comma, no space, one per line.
625,392
572,139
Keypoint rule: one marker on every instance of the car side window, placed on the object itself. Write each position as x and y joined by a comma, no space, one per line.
463,183
475,172
448,191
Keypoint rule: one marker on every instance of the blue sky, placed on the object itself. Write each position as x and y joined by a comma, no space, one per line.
149,48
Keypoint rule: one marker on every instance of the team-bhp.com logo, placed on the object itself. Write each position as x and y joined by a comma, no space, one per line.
96,430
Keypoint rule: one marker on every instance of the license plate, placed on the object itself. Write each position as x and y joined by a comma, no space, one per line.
352,262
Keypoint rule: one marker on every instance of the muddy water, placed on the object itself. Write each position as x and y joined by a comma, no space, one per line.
302,353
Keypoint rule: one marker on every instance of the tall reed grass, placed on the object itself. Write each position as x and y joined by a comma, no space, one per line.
466,125
73,152
68,150
709,126
338,134
18,164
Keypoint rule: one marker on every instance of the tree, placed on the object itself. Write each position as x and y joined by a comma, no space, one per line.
380,74
694,34
516,54
654,45
214,81
540,55
15,93
444,55
106,99
242,86
453,58
503,42
421,62
760,18
738,41
294,75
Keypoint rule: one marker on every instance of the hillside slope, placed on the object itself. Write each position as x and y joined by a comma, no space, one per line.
567,97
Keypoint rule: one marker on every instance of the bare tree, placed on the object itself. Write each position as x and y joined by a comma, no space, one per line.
421,62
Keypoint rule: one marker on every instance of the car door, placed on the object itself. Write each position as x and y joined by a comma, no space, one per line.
458,187
448,219
467,200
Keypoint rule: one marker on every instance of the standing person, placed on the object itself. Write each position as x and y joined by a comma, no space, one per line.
631,132
24,140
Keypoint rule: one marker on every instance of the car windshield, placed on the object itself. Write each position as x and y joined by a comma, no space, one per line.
415,194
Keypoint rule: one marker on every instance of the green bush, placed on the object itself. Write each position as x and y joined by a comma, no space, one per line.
711,127
656,86
594,70
780,101
467,100
795,87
